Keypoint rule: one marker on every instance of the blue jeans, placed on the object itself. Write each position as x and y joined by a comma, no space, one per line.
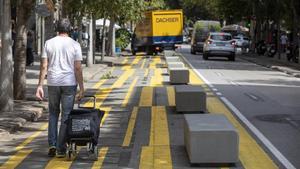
66,96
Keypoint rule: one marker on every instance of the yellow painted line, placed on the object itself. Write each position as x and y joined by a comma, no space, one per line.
103,93
32,137
146,73
106,112
171,95
159,133
251,155
60,163
156,60
136,60
146,159
119,83
143,63
16,159
129,92
130,127
146,96
157,78
100,83
158,154
194,79
101,157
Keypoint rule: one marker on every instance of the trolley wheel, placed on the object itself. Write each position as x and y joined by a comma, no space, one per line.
95,153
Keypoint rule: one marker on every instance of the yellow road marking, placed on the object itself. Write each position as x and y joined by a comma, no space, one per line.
101,157
125,61
103,93
158,154
136,60
157,79
146,96
251,154
129,92
159,134
106,112
156,60
146,73
171,95
143,63
119,83
16,159
130,127
100,83
61,163
32,137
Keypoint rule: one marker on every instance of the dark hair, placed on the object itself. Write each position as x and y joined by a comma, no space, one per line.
63,26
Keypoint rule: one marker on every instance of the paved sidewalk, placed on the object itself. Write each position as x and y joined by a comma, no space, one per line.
282,65
31,110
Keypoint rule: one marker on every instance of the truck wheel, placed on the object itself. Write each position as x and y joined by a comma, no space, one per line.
133,52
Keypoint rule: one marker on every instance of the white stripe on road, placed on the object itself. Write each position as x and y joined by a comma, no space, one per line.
285,162
258,134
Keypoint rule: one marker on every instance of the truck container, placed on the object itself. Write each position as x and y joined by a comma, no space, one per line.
158,30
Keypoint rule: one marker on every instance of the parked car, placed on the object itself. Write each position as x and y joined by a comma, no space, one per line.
242,41
219,44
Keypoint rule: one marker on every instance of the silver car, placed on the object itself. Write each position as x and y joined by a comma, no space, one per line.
219,44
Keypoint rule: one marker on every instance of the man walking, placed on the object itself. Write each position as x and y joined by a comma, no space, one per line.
61,60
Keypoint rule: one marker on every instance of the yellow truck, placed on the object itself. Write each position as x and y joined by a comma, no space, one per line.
158,30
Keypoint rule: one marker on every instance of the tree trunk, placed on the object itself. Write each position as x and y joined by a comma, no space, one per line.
94,40
24,9
6,71
111,38
1,19
103,39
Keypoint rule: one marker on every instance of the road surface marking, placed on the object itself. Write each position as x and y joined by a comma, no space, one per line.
158,154
61,163
103,93
143,63
136,60
262,138
157,79
171,95
16,159
146,74
130,127
32,137
102,153
253,160
156,60
251,154
129,92
125,61
146,96
100,83
106,112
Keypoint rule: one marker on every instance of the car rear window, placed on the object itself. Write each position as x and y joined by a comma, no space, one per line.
236,37
221,37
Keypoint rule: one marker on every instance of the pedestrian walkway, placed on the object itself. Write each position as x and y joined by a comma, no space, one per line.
282,64
140,129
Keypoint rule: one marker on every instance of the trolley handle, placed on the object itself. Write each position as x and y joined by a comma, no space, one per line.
88,96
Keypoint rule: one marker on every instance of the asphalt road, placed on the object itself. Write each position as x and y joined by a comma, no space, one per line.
267,100
141,128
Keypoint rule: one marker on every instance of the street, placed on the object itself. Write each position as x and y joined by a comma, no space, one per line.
141,128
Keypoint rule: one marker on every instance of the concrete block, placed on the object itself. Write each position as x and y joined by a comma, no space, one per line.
173,59
169,52
175,65
210,138
179,75
190,98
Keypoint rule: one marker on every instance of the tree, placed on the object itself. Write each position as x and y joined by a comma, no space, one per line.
6,70
24,9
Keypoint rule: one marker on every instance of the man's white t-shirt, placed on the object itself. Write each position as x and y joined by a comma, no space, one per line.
61,52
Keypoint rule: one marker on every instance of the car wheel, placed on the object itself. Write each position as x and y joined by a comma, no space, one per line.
232,58
193,51
205,56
